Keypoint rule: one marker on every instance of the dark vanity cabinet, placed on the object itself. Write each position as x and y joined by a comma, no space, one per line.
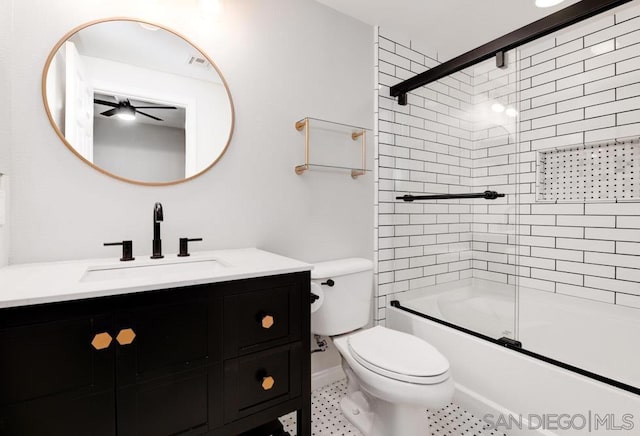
217,359
164,373
52,379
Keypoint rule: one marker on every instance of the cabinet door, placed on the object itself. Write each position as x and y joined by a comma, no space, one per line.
165,355
56,373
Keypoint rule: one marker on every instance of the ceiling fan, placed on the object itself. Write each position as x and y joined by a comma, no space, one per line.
126,111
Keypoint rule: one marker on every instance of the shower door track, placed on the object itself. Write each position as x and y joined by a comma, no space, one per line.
517,347
559,20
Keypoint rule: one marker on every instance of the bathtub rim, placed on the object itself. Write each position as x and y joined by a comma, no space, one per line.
514,347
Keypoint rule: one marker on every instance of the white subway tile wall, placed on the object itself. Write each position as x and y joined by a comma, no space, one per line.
424,147
481,129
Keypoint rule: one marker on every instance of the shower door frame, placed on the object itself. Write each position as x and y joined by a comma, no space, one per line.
559,20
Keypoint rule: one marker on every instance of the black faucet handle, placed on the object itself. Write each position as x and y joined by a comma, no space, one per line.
184,246
127,249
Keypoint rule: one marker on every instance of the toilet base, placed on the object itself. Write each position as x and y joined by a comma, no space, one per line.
357,414
375,417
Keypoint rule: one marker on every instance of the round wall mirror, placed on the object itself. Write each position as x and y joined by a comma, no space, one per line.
137,101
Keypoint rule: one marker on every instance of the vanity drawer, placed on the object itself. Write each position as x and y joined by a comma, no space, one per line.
260,319
261,380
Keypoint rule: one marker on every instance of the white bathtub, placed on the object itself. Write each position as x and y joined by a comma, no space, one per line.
597,337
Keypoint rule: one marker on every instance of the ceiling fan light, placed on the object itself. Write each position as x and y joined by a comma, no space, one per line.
126,113
547,3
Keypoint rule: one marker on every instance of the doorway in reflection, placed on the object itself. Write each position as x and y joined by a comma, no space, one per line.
139,139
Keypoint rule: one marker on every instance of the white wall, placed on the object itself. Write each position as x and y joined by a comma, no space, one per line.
138,151
5,87
4,221
5,109
5,121
283,59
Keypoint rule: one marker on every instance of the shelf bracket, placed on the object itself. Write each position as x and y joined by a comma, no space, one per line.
301,125
355,135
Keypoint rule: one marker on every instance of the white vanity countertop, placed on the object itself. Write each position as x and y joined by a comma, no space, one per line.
37,283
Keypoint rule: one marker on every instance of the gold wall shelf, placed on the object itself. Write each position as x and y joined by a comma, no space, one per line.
356,133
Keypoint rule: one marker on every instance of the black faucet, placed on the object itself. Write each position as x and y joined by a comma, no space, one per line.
158,217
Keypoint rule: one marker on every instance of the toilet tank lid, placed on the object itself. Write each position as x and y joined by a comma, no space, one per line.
341,267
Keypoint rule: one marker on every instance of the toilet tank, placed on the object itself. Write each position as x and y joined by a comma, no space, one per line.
347,304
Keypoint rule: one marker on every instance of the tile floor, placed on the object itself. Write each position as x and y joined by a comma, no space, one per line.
328,420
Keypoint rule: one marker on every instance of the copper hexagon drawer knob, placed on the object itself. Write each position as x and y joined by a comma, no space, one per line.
101,341
267,383
126,336
267,321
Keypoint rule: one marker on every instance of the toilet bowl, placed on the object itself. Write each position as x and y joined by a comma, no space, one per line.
393,377
390,386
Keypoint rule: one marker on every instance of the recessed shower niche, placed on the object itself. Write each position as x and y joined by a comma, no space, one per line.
604,171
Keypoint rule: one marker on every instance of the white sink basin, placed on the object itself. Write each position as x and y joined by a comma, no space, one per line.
186,269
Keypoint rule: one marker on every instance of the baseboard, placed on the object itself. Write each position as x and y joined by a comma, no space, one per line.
481,406
326,377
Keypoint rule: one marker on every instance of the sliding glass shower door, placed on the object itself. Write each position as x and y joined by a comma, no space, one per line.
495,163
470,244
580,196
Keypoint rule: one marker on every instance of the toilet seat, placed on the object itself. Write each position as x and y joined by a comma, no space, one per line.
399,356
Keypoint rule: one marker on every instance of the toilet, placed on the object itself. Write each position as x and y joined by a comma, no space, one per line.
393,377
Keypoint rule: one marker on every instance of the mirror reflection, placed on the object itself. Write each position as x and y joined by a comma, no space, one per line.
138,102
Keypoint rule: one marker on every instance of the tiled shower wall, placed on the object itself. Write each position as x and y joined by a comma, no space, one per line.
424,147
579,85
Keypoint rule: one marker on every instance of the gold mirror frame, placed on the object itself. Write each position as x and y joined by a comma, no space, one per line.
91,164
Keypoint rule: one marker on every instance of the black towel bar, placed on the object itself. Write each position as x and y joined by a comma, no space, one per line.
487,195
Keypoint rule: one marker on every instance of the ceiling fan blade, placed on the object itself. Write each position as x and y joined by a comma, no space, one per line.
150,116
156,107
106,103
110,112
